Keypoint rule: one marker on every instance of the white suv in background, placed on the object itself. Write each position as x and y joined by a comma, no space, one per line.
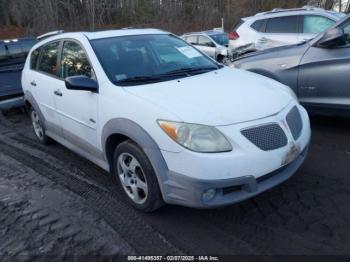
281,27
170,123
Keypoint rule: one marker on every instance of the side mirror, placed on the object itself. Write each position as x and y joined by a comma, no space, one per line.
331,38
82,83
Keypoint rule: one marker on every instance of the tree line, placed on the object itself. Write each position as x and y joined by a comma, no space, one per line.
33,17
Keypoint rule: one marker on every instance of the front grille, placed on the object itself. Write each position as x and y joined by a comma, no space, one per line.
267,137
295,122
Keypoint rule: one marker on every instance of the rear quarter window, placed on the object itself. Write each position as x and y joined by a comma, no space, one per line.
259,25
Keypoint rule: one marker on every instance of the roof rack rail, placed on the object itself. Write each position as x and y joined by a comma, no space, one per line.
42,37
280,10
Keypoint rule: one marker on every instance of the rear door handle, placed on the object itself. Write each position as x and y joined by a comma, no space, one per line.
58,93
33,83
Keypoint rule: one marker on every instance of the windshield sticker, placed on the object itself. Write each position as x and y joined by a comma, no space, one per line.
188,51
120,77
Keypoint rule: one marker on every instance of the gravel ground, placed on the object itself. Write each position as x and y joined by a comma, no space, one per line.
54,202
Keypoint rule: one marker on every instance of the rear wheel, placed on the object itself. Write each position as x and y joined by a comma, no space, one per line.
136,176
38,127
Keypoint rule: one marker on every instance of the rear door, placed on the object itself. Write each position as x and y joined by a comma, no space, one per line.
43,80
279,31
324,75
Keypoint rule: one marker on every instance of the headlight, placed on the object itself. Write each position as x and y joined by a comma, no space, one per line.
198,138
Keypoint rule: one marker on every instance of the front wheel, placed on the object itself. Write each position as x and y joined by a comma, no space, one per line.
38,127
137,177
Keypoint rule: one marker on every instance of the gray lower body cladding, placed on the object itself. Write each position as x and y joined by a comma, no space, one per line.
187,191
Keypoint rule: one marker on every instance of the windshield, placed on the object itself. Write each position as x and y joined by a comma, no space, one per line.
221,39
135,60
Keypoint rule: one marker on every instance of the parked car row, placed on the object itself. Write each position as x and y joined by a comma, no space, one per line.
282,27
317,70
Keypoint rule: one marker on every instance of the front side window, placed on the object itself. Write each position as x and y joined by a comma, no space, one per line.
192,39
346,29
74,61
316,24
135,60
48,58
221,39
205,41
284,24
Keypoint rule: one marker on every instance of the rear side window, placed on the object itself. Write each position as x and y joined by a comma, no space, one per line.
259,25
192,39
314,24
34,57
285,24
48,58
205,41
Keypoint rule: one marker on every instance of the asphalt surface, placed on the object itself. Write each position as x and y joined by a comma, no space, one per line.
54,202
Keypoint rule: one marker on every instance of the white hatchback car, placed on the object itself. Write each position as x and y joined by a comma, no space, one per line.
169,122
281,27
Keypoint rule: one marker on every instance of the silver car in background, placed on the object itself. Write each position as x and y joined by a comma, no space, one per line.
214,43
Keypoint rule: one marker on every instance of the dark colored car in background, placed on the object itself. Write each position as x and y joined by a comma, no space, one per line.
13,54
317,70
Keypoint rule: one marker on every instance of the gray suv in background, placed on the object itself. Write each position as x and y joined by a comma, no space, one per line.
317,70
213,43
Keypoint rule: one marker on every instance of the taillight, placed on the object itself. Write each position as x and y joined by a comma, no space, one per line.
233,35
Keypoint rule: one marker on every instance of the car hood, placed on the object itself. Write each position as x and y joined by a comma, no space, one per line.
223,97
272,50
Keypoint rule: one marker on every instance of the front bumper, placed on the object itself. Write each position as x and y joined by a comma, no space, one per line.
187,191
11,103
237,175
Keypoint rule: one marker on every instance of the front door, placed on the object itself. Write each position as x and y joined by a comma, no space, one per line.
77,109
324,75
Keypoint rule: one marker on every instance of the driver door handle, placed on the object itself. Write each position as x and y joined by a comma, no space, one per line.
33,83
58,93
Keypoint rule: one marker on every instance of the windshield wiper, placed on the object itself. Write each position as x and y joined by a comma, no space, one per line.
139,79
189,70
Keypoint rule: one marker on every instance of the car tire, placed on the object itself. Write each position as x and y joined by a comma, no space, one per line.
38,128
136,177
